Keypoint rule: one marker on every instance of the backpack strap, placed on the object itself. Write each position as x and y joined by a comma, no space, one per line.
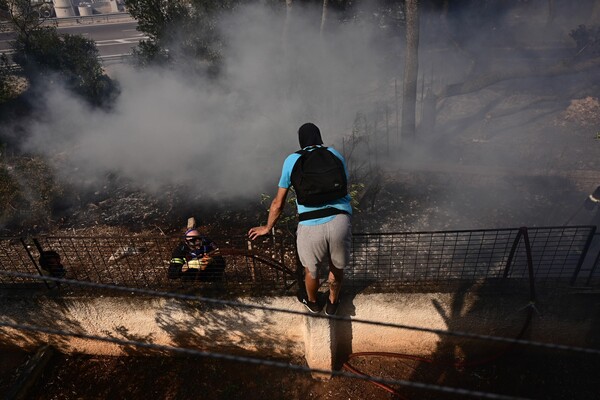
304,151
324,212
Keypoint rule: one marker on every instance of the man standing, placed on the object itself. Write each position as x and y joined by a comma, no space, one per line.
320,177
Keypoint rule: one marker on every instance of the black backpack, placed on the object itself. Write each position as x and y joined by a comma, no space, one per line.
318,177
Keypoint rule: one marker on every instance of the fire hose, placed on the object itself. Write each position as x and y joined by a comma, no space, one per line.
457,364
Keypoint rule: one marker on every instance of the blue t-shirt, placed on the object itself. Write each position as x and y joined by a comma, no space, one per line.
286,181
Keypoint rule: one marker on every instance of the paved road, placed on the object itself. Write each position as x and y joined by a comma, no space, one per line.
112,39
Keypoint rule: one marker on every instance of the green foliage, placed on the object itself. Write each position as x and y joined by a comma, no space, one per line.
23,15
289,216
149,53
181,32
155,18
42,52
354,191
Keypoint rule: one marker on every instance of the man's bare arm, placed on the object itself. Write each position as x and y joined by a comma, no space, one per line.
275,211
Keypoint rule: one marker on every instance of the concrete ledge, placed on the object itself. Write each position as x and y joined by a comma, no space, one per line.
567,318
319,345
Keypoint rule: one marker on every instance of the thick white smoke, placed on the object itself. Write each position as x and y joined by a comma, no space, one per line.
225,137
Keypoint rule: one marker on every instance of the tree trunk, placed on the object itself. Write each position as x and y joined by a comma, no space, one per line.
323,17
286,23
551,12
411,70
595,14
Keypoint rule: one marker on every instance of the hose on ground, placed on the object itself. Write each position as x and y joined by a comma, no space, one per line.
457,364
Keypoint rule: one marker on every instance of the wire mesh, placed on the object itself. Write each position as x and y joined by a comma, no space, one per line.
15,257
453,258
380,261
142,262
430,256
557,253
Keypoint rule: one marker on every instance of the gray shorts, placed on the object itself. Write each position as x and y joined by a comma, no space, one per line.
317,244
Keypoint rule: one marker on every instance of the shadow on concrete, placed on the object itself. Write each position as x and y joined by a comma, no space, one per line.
341,331
509,369
221,327
42,308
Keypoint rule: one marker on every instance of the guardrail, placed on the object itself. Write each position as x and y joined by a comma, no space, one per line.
91,19
115,58
424,261
106,60
87,19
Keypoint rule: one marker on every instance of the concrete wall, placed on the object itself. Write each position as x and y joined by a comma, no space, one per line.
566,318
63,8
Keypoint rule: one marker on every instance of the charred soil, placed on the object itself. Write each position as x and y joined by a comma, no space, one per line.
519,373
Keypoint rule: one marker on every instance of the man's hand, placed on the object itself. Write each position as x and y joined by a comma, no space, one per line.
274,212
258,231
204,261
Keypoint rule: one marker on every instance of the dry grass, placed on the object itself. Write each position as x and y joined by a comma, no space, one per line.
27,192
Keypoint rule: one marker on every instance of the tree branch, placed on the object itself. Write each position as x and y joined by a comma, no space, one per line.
488,79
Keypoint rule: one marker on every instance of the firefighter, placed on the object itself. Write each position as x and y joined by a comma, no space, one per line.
196,258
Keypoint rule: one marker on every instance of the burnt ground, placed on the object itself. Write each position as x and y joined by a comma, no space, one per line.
518,373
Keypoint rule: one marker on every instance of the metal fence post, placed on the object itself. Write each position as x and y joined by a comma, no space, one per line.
253,267
594,266
523,231
33,259
586,247
511,255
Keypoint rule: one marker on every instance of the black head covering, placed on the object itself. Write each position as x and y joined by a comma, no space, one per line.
309,135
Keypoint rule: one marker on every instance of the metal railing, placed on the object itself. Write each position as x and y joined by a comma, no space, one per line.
593,278
476,257
142,262
78,19
90,19
424,261
105,60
